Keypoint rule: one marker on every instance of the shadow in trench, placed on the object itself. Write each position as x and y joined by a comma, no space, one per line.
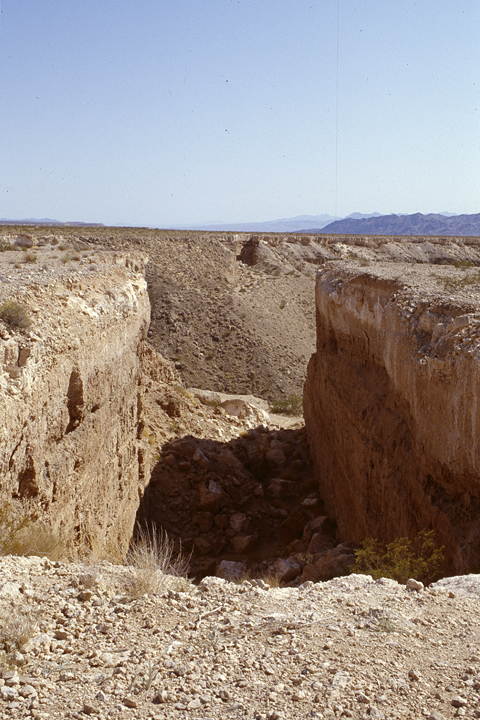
248,500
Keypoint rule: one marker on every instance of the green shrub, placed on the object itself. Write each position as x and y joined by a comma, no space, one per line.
401,559
15,314
291,405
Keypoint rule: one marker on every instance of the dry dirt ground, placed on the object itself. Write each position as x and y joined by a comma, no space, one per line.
75,643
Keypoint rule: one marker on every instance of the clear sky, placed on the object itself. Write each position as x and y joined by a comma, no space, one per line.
175,112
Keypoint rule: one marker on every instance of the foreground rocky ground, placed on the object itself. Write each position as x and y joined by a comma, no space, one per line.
76,644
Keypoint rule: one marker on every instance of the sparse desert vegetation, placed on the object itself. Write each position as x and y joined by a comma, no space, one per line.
291,405
153,563
15,314
419,558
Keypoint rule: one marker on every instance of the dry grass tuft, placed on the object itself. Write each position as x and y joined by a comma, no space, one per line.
271,580
15,314
5,246
153,564
183,391
17,627
21,535
391,620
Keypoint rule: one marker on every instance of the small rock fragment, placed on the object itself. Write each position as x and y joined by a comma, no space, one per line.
8,693
414,585
459,701
89,709
194,704
61,635
361,698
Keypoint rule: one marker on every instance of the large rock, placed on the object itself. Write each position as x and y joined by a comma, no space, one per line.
391,403
69,405
229,570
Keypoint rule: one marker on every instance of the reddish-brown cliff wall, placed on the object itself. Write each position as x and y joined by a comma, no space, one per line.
391,404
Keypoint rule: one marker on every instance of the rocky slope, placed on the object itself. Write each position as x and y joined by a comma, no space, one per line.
391,403
75,643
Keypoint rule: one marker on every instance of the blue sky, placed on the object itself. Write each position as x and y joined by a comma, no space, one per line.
174,112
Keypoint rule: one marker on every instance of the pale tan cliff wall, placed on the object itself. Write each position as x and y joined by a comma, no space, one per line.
68,401
392,405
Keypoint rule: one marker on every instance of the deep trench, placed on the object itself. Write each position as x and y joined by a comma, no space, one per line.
251,500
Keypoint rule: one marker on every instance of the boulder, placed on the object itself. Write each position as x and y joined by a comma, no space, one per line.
320,543
243,543
229,570
286,570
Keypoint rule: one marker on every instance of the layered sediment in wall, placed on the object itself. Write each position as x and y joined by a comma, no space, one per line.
392,403
69,401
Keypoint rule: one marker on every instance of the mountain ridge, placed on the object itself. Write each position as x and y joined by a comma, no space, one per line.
436,224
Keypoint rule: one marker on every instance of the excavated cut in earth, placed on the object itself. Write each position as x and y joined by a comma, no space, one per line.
391,403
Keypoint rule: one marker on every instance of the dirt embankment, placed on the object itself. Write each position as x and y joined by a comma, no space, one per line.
391,403
70,342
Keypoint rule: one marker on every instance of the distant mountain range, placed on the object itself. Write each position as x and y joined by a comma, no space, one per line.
416,224
287,225
45,221
444,223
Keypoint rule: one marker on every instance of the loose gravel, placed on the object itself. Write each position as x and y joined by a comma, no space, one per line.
75,644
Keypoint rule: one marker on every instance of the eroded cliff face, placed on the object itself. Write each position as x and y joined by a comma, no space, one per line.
69,401
392,403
